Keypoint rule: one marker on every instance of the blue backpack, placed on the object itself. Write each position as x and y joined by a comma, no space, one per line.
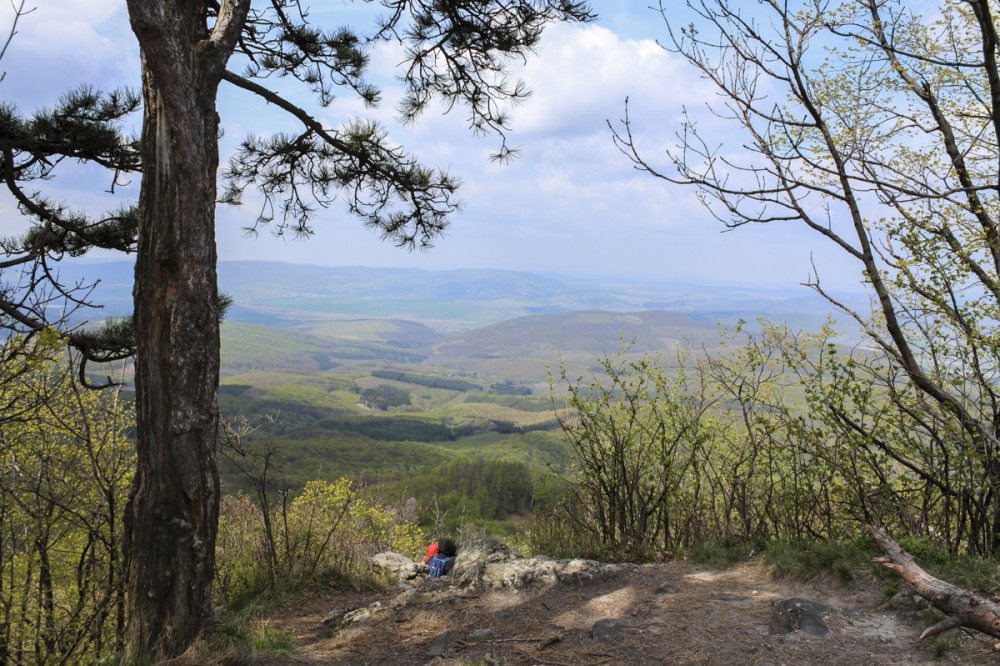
437,565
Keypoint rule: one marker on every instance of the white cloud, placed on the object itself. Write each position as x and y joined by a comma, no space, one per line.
62,44
584,73
579,80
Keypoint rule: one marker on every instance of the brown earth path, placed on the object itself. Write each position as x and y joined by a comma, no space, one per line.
673,613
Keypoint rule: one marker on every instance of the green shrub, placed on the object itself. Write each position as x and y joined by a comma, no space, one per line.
268,640
67,464
722,554
978,574
808,560
555,535
325,534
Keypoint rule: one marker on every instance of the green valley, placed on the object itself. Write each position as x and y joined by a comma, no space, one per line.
408,380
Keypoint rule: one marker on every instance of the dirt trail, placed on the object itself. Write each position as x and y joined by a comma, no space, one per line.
673,613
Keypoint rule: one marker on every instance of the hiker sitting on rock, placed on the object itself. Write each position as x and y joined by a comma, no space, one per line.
441,557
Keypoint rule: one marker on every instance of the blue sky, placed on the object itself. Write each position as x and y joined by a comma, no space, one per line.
570,204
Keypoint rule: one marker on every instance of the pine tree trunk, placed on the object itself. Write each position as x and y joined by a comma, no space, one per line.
172,516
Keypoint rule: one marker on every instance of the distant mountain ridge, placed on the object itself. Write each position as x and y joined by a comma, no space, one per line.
290,296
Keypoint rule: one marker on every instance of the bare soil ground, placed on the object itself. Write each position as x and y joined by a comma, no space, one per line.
713,617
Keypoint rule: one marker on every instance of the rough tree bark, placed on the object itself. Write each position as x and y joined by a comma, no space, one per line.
963,608
173,509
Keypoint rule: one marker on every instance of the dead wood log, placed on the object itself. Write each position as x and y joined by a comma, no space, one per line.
963,608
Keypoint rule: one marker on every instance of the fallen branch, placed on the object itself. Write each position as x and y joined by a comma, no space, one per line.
545,641
964,608
554,638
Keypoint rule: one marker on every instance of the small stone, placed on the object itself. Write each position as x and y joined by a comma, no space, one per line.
362,614
335,617
666,587
607,631
799,614
440,644
481,634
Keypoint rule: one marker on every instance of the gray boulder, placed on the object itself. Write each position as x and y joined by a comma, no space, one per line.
515,574
475,551
350,614
799,614
667,587
440,644
398,565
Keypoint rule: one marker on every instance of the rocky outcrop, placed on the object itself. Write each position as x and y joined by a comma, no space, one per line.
478,551
399,565
664,613
489,564
536,571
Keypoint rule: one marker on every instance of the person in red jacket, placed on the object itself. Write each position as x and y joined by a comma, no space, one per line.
443,559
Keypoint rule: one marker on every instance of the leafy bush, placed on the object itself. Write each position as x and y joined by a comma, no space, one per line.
555,535
637,437
326,532
805,560
66,465
718,449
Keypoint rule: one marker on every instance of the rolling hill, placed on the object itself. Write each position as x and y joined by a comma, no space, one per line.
307,297
593,332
